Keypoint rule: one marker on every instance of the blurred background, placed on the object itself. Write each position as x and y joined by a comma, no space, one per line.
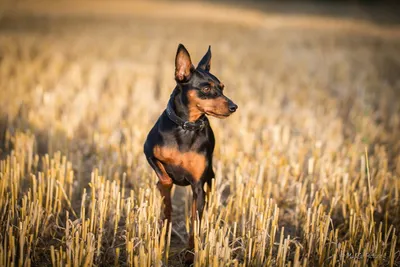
316,83
84,68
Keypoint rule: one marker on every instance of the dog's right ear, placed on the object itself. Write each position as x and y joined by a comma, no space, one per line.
205,62
183,64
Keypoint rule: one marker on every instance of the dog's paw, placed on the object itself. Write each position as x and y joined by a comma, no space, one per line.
189,257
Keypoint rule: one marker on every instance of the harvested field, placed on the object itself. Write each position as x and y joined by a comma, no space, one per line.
307,170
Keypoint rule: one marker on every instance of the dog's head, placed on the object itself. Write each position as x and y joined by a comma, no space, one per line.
202,92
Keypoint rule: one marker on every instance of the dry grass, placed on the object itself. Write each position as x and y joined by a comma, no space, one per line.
307,170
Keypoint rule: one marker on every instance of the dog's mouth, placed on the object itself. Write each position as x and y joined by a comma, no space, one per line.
219,116
212,113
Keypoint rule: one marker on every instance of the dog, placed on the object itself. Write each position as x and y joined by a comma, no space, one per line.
180,145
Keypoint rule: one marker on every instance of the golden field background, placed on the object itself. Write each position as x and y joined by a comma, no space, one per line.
307,169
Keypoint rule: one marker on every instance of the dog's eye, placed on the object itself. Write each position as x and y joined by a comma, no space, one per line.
206,89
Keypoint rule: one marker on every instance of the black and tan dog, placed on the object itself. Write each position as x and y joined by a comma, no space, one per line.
180,145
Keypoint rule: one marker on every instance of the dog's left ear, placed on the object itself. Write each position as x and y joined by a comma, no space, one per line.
205,62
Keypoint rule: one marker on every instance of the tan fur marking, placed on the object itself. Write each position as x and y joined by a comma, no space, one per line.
192,162
198,106
194,112
164,179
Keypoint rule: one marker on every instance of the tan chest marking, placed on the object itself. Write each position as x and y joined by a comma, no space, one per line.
192,162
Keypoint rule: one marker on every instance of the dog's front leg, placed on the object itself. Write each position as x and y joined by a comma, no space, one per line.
165,190
197,208
164,185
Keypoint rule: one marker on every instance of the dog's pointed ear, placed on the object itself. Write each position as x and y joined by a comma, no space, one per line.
205,62
183,64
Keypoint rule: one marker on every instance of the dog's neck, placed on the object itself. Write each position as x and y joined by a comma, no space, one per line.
181,109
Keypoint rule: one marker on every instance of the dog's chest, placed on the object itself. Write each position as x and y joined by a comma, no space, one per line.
192,162
184,153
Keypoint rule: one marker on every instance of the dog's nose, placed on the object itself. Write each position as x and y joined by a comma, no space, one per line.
232,107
